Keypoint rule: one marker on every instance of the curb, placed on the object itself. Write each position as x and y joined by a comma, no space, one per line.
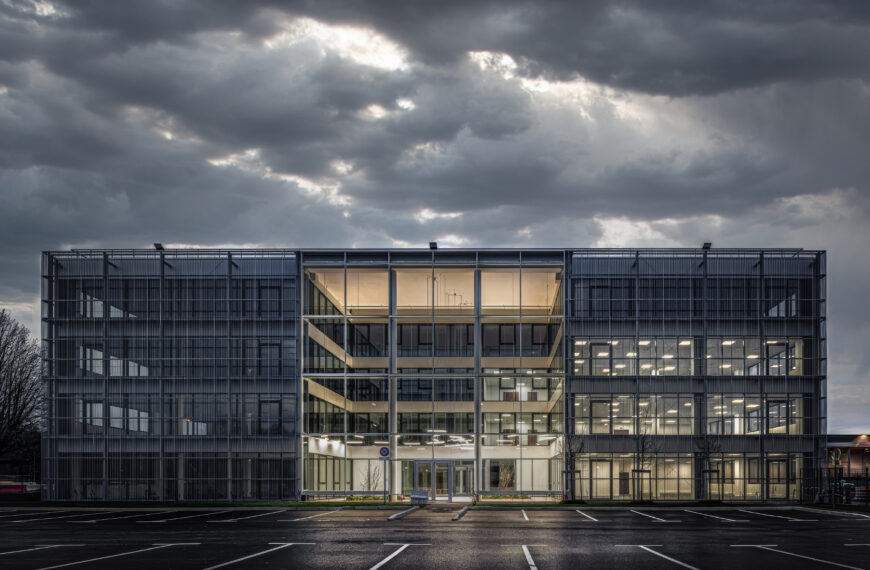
461,513
403,514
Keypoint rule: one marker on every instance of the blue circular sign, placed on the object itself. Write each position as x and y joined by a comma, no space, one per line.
385,452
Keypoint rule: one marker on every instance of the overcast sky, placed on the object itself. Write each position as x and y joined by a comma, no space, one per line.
390,124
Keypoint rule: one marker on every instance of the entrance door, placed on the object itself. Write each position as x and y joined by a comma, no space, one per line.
462,479
423,476
443,491
600,479
434,477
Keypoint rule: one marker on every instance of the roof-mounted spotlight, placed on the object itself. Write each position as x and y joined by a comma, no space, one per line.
433,245
707,245
158,246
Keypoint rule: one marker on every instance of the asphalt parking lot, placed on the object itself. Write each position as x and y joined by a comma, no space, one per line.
530,538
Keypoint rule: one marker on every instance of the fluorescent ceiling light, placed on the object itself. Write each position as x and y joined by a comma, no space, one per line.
670,367
603,354
752,356
728,342
614,342
620,366
726,366
738,401
668,356
643,343
685,342
580,342
631,354
646,365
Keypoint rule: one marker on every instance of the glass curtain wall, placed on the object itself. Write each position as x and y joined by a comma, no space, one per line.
172,375
455,368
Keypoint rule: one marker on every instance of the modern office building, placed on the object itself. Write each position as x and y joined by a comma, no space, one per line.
585,374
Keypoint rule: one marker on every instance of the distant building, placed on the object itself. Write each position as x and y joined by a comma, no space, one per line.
586,374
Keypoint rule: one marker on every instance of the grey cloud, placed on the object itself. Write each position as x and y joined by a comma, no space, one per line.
760,138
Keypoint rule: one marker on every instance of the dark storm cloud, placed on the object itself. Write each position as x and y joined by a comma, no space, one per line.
476,123
675,48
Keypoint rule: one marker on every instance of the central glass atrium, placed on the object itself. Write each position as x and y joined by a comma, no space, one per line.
455,366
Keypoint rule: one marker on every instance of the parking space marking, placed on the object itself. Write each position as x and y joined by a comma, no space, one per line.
647,548
279,546
778,516
306,518
856,544
771,549
16,513
117,518
525,516
55,518
36,514
155,547
652,517
593,519
713,516
390,557
210,513
43,547
529,558
250,517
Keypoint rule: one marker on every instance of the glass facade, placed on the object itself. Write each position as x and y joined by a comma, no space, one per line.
287,374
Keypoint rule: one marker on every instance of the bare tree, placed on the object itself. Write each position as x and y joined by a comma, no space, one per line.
709,445
371,480
21,390
574,446
647,447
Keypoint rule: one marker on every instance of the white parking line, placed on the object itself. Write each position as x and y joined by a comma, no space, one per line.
279,546
155,547
118,518
777,516
713,516
306,518
766,547
650,516
210,513
36,514
674,560
250,517
387,559
54,518
525,516
15,513
43,547
856,544
529,558
587,516
647,548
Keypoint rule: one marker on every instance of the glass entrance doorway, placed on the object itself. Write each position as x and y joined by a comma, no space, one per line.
443,479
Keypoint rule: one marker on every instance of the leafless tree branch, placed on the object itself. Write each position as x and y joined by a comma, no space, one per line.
21,389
